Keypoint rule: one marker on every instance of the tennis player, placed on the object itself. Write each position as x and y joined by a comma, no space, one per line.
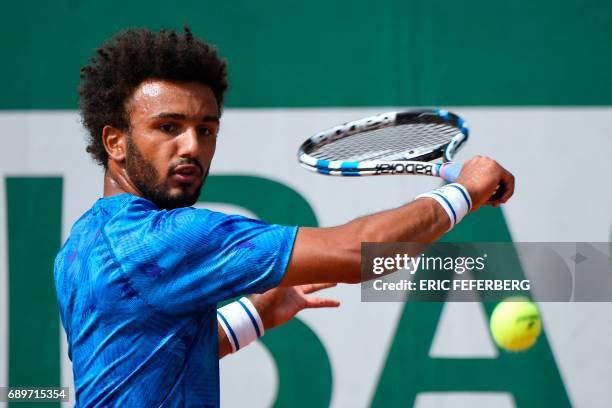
140,276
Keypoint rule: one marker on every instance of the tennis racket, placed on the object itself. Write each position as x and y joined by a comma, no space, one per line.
392,143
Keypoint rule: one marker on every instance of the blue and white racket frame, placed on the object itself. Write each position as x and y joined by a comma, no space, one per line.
412,163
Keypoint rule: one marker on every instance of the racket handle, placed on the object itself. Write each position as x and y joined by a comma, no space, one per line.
450,171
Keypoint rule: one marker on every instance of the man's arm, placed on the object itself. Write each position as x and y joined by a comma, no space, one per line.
224,345
279,305
334,254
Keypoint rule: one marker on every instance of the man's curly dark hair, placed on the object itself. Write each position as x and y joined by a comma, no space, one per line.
129,58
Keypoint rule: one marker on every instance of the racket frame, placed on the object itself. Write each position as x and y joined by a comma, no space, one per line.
419,163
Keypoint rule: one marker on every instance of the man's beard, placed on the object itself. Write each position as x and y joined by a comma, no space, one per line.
146,179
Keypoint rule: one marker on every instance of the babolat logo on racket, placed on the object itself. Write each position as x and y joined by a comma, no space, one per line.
408,168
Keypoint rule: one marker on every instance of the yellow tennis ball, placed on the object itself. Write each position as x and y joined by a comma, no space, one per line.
515,324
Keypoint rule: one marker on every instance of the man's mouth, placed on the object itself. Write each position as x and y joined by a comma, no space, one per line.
187,173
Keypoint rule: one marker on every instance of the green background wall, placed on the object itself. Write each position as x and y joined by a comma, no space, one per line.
335,53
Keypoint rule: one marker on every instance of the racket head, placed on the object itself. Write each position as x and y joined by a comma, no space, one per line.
360,147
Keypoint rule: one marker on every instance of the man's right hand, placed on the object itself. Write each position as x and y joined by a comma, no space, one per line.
482,176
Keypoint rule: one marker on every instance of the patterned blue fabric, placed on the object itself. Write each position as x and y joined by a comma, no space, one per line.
138,287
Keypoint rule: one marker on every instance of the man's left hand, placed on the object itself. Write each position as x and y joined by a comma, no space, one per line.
279,305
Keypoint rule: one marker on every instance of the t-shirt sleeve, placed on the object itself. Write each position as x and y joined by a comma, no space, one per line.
183,260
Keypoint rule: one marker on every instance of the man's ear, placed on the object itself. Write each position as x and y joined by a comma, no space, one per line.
115,143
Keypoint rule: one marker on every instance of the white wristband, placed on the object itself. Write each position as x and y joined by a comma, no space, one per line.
454,199
240,322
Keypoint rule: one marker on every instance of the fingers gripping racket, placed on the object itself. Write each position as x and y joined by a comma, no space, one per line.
392,143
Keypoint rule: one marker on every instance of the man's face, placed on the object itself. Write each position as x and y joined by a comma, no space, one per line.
172,139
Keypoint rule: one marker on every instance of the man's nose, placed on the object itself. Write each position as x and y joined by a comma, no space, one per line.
189,144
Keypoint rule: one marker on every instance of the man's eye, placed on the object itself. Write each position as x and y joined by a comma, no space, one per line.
204,131
168,127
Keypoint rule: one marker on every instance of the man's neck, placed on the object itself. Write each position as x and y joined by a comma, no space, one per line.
116,183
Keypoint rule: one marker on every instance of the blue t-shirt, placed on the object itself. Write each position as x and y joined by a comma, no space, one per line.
138,287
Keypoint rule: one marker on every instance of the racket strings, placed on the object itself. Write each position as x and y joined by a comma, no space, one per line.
389,143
